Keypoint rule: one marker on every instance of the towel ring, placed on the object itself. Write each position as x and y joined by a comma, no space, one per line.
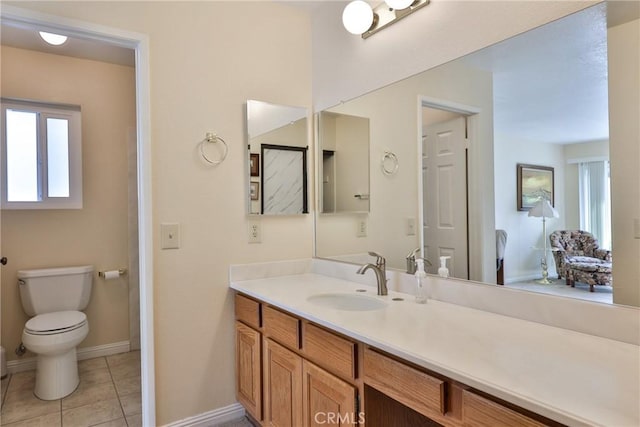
213,138
389,163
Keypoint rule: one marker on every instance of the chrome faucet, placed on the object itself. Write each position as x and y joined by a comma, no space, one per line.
381,272
411,261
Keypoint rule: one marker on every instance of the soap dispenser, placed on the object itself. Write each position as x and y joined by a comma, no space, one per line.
443,271
420,275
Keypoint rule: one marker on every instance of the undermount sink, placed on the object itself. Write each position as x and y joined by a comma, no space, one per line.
349,302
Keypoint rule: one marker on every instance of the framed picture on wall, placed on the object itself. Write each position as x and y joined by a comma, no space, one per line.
254,190
254,164
534,183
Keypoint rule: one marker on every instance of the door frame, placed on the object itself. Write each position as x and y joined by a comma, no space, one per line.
474,215
140,44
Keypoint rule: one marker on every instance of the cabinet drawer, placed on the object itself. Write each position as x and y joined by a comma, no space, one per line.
281,327
409,386
247,311
334,353
479,412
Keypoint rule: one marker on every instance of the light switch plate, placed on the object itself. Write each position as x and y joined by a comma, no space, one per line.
361,230
170,236
411,226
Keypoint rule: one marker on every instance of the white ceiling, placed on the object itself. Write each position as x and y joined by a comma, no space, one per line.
28,38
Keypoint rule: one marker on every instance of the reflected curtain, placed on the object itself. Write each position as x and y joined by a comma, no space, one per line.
595,201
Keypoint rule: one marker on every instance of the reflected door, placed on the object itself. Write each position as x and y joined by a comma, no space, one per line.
444,174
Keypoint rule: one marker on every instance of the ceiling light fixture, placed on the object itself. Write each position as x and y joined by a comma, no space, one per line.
53,39
359,18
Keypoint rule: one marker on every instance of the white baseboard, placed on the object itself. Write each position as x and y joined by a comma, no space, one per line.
28,364
211,418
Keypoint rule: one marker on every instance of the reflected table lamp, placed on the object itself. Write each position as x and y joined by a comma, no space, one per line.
543,209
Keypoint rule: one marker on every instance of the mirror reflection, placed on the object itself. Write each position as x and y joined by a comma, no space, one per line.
277,152
344,142
539,99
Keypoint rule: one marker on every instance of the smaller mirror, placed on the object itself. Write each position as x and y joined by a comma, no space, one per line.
277,157
343,143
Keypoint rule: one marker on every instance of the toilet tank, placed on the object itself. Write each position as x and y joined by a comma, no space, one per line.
55,289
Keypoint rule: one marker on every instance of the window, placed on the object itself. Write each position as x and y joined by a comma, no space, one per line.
595,200
41,156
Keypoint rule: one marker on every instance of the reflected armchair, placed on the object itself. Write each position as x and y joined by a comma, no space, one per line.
579,259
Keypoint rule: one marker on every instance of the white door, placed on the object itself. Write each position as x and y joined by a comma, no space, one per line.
444,179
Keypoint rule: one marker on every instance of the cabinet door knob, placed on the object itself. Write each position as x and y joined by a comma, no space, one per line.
3,260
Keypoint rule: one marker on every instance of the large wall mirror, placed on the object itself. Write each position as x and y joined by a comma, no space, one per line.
277,156
459,132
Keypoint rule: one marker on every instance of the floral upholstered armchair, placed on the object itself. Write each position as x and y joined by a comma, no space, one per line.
578,258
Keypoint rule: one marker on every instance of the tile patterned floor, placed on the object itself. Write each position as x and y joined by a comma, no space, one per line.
108,396
241,422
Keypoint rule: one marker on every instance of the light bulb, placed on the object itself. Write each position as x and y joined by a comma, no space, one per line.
357,17
398,4
54,39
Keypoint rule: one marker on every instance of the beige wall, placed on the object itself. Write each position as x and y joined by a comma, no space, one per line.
624,137
207,59
97,234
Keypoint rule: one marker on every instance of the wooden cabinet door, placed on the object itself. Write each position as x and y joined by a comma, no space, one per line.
327,400
283,386
248,370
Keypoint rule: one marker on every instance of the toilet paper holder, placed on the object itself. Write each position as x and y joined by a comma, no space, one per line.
121,272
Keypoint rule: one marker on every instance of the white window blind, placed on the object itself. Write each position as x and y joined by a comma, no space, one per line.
595,200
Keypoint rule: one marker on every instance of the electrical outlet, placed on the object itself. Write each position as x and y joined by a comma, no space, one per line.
362,228
170,236
255,232
411,226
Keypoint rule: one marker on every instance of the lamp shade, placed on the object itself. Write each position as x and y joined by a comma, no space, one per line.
357,17
53,39
543,209
399,4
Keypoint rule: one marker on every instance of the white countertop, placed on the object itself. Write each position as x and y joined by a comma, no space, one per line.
570,377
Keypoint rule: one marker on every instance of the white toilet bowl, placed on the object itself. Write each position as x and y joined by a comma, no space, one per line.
54,337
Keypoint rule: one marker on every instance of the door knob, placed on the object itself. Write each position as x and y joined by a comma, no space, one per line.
3,260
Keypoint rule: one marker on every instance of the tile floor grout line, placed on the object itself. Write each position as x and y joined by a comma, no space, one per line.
4,396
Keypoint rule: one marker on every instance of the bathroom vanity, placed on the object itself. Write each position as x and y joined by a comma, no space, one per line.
312,348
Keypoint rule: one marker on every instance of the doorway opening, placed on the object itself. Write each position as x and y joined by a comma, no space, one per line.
446,139
139,145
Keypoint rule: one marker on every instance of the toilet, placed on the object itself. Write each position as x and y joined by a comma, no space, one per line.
55,298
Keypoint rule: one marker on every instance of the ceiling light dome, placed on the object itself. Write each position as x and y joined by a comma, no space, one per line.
398,4
54,39
357,17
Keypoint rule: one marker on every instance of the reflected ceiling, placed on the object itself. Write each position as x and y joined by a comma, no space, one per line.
542,97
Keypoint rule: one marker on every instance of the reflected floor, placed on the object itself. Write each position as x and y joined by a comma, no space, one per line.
108,395
603,294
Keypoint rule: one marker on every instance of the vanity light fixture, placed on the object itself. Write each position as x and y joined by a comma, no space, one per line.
53,39
359,18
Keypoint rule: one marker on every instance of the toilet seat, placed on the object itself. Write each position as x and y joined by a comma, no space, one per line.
55,323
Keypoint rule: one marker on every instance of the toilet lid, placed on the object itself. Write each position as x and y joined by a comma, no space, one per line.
56,322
